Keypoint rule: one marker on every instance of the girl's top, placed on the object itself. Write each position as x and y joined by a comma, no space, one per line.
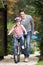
18,31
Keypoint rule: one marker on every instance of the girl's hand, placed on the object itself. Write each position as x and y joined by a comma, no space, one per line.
8,33
25,33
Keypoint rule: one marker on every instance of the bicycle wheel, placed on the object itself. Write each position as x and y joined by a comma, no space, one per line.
17,54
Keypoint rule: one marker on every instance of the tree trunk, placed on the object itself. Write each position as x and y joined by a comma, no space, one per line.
41,51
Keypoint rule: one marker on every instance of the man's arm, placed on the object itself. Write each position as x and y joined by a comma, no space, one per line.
32,24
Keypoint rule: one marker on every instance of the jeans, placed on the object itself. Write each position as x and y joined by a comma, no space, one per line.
27,39
21,40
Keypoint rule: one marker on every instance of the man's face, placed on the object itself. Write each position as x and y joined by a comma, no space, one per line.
22,15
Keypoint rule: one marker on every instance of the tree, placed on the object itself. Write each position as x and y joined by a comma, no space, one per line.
39,7
1,4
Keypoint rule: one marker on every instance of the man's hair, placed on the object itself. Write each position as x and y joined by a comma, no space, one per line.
21,10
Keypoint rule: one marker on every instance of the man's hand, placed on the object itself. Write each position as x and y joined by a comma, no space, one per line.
32,33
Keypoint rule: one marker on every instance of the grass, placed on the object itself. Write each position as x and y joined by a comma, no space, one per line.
40,63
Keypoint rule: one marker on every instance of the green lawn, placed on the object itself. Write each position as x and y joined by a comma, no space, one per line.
40,63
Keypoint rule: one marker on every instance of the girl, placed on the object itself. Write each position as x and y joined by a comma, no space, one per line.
18,30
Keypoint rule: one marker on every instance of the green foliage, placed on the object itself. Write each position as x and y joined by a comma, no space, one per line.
34,46
10,24
21,4
10,38
1,4
32,50
10,44
40,63
39,6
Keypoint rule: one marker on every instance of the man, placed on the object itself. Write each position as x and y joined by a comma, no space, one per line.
28,23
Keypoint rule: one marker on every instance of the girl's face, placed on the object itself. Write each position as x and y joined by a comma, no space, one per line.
17,23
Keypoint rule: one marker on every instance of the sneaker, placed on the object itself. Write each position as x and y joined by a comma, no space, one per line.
22,47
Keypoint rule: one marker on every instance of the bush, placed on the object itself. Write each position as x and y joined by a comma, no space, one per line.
32,50
10,44
10,38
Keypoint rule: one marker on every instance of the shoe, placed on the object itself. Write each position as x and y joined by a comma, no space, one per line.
26,60
22,47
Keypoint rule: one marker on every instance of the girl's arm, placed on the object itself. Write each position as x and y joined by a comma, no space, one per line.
24,29
11,31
